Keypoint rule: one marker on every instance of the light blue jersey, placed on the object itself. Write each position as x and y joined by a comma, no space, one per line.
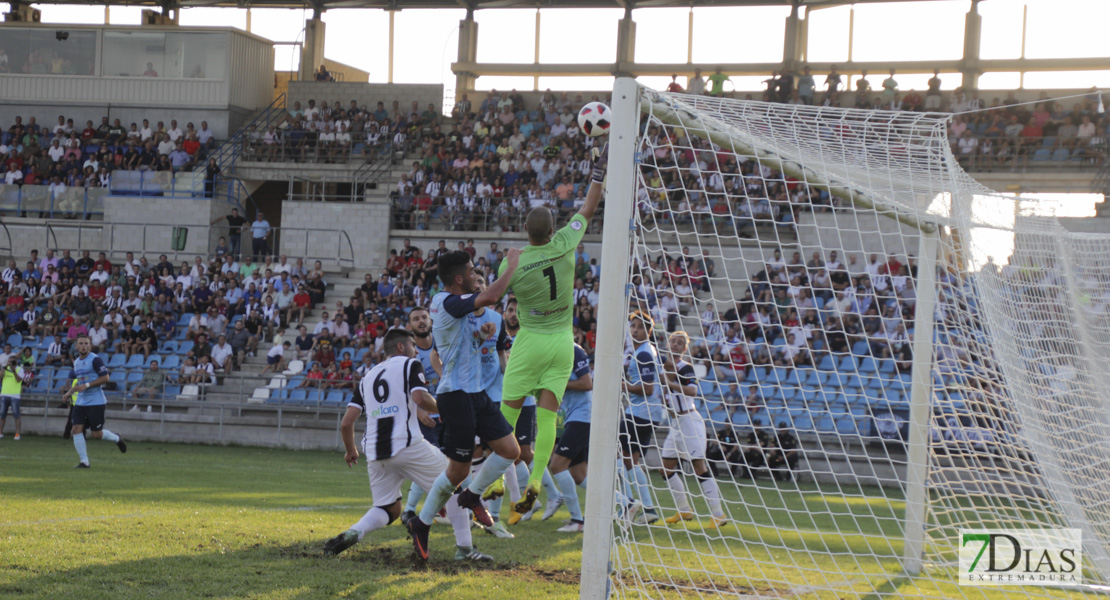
645,369
491,357
425,358
458,341
88,370
577,405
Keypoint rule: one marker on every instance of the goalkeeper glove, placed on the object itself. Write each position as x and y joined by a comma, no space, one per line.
601,163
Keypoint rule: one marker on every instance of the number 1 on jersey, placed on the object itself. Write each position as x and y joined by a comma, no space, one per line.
550,273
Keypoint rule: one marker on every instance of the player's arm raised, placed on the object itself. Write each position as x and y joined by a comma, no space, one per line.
493,293
597,183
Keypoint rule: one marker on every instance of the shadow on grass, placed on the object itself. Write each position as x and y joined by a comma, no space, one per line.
297,571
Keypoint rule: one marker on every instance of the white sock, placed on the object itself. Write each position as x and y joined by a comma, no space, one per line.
492,468
570,495
643,486
627,480
678,492
553,492
511,485
712,494
460,522
108,436
583,483
375,518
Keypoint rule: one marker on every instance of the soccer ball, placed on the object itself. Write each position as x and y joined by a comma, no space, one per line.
594,119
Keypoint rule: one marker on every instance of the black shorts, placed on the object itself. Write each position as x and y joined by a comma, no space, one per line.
574,444
636,433
433,434
466,415
526,426
92,417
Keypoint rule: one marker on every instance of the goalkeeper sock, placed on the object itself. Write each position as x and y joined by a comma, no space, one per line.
643,486
570,495
678,491
416,493
437,498
512,415
512,488
108,436
549,486
521,478
375,518
460,522
82,451
712,493
545,443
493,468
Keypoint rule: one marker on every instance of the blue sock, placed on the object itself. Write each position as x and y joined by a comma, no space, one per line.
643,486
437,498
549,486
108,436
626,482
416,493
494,507
79,444
493,468
522,476
570,495
583,484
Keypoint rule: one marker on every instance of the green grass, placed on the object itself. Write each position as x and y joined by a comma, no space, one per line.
182,521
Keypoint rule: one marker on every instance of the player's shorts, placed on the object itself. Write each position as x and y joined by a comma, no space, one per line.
526,426
539,361
686,439
636,433
574,444
7,402
434,435
464,416
92,417
420,463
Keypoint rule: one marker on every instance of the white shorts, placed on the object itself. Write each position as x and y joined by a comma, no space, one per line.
420,463
686,438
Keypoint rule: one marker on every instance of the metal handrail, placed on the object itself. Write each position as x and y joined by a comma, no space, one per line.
117,245
8,234
228,152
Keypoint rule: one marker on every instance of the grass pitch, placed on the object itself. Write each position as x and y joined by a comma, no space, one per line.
183,521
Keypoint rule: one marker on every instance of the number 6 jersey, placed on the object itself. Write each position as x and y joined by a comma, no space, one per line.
385,396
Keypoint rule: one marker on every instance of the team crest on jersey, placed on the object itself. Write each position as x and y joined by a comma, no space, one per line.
420,375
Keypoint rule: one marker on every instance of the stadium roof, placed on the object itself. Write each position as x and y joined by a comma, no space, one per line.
468,4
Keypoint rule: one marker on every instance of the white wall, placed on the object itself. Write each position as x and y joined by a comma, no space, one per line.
366,224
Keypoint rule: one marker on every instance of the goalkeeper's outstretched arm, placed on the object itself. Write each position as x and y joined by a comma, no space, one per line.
597,182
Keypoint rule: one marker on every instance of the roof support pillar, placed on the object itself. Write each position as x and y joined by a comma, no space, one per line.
468,53
312,52
973,33
626,44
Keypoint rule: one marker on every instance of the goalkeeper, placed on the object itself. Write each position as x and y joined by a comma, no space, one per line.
543,351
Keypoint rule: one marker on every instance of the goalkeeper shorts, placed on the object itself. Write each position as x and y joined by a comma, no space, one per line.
538,361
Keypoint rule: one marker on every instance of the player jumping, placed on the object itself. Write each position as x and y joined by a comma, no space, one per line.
394,448
465,408
543,352
89,373
686,439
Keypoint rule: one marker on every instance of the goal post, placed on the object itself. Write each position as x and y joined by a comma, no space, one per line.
886,353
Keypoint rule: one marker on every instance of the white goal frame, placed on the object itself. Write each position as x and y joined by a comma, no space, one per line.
612,319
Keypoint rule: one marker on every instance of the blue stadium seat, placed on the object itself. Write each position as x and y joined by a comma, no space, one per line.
816,378
707,387
183,320
171,362
718,418
867,365
847,364
169,347
183,348
118,377
825,424
335,398
854,382
117,361
803,423
1060,154
314,396
297,396
134,377
887,365
136,361
15,339
794,378
43,380
1042,154
362,352
847,426
876,382
861,348
150,359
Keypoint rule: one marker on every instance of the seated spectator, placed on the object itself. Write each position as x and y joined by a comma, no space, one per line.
304,344
242,342
57,354
222,355
151,384
314,378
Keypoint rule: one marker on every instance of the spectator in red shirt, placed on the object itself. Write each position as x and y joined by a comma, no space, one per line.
302,303
315,377
324,350
102,260
97,292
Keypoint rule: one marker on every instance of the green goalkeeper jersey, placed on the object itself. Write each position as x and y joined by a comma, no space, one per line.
544,281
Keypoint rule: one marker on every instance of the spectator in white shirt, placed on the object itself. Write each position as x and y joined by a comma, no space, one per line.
99,275
221,354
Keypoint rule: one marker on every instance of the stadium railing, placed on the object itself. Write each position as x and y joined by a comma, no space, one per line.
419,213
38,201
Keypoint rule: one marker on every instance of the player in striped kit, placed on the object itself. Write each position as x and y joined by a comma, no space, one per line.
686,439
420,324
394,448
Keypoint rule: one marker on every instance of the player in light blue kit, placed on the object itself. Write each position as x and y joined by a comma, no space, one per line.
90,374
644,414
571,458
420,324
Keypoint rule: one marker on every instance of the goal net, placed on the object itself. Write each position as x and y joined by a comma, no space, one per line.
886,353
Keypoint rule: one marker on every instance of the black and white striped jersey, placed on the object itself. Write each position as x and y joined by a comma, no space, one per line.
677,401
385,396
